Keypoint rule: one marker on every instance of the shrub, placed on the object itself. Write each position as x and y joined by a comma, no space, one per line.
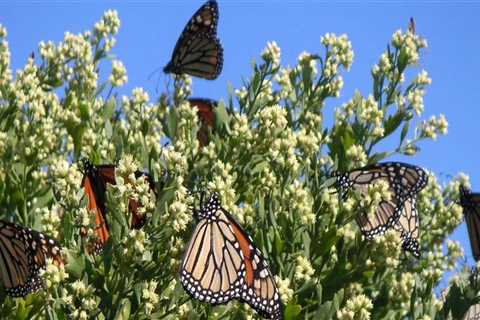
269,159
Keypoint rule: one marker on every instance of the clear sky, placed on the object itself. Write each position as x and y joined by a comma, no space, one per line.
150,29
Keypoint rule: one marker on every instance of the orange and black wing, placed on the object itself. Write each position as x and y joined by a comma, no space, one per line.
206,116
222,263
94,183
23,252
198,51
138,220
470,203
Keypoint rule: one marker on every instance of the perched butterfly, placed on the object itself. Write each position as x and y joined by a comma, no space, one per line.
198,51
221,263
473,313
94,182
404,181
23,253
206,116
471,209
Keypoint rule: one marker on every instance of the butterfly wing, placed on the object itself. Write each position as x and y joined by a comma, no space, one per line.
409,227
205,20
473,313
23,254
206,116
138,220
198,51
221,263
200,56
404,181
95,186
471,209
387,212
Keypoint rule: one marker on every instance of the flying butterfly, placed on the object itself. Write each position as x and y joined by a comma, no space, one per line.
221,263
94,183
404,181
206,116
198,51
23,253
470,203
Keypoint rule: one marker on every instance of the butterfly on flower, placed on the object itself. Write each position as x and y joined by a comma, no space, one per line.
399,213
94,183
23,253
222,263
206,116
198,51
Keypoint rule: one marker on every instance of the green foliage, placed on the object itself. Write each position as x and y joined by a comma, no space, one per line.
270,157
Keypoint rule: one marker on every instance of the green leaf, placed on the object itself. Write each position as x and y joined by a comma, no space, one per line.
109,108
123,312
292,311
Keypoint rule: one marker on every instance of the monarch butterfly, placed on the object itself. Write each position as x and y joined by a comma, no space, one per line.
94,182
198,51
473,313
206,116
23,253
221,263
404,181
470,203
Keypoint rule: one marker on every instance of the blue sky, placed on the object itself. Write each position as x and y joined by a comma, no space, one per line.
150,28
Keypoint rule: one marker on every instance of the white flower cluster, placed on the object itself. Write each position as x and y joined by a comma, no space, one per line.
276,137
340,49
410,43
303,269
307,62
118,76
149,297
81,300
5,71
66,179
53,274
241,130
106,28
301,202
283,80
139,111
402,288
356,155
329,199
309,137
356,308
222,183
179,214
188,118
135,244
272,53
433,126
51,219
286,293
387,250
176,161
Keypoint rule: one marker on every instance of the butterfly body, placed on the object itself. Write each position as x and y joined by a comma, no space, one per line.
221,263
198,51
23,252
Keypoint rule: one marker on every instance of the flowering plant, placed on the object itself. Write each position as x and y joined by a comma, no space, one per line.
269,158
